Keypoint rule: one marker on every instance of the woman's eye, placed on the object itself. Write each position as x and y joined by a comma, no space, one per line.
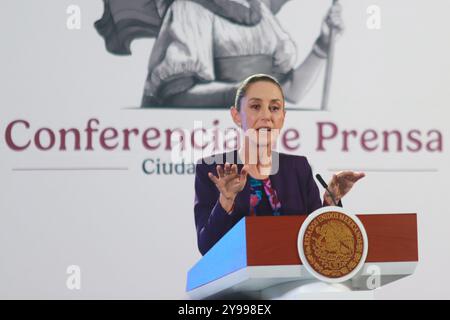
274,108
255,106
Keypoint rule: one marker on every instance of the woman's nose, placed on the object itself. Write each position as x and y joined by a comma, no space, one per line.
266,114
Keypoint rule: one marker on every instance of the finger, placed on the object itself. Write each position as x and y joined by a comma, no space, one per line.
243,176
227,168
352,176
335,10
213,178
344,174
234,169
335,178
336,13
336,21
336,7
336,18
244,171
359,175
333,182
219,170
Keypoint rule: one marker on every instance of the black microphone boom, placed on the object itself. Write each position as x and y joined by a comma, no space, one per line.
324,184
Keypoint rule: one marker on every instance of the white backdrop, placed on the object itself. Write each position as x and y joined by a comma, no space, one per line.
133,234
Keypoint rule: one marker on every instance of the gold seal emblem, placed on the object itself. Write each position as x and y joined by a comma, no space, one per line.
333,244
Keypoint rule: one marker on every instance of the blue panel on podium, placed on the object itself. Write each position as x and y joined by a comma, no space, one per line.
213,265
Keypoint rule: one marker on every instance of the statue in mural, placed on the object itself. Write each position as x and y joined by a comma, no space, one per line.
204,48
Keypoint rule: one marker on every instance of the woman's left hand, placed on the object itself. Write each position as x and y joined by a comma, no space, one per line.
341,184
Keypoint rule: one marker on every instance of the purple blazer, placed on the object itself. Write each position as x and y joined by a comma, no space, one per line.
294,183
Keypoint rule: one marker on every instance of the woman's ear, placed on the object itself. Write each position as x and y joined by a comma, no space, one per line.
236,116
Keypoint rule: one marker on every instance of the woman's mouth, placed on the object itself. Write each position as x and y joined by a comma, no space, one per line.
264,129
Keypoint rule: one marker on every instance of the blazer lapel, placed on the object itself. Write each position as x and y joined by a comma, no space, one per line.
277,183
243,197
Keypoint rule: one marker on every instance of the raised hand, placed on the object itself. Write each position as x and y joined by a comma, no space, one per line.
229,183
341,184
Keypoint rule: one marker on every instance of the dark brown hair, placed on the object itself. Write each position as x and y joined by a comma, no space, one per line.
242,90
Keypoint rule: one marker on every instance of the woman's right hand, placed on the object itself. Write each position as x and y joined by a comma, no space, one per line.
229,183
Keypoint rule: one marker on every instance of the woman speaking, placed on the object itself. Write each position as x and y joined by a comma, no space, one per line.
256,180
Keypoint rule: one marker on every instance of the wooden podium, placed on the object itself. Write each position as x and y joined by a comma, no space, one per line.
259,259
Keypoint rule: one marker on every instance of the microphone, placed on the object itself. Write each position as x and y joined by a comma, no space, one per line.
324,184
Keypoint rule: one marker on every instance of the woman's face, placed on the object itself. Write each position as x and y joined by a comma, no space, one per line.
262,112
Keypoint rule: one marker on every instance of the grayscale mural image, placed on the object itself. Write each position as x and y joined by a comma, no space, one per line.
204,48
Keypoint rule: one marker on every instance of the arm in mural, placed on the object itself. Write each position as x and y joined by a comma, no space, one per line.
295,85
124,21
302,78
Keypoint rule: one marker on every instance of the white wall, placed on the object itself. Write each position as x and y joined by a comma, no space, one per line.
133,234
